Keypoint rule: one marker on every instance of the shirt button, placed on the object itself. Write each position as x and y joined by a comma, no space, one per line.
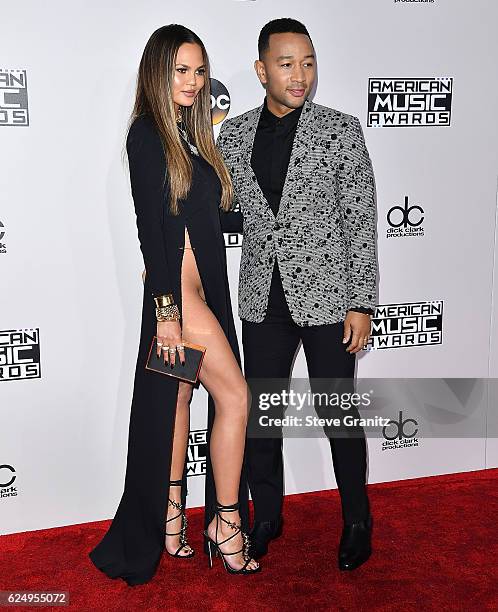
276,226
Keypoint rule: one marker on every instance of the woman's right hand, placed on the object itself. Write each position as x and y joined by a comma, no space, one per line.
169,334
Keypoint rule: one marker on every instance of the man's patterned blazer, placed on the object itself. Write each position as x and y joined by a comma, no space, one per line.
324,233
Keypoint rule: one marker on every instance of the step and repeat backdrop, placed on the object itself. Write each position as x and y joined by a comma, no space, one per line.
421,77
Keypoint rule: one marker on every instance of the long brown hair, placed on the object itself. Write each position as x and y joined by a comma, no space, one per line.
154,98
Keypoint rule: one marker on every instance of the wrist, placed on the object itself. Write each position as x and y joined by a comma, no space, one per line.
167,313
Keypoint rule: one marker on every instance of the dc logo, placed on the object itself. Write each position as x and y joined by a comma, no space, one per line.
400,429
406,215
2,233
10,471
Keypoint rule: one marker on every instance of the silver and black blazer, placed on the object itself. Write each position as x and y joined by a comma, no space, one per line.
324,233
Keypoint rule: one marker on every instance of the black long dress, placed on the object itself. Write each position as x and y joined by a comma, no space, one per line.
132,547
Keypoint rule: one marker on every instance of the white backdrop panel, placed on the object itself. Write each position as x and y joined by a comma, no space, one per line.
72,263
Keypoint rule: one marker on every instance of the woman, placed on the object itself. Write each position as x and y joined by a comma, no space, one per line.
179,183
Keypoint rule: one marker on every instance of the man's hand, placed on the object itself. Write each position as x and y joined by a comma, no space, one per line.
358,326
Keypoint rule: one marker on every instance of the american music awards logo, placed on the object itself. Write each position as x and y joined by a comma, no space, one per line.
7,479
196,453
13,97
407,324
409,102
19,354
400,433
405,220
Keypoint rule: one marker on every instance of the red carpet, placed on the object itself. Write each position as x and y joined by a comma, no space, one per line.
435,548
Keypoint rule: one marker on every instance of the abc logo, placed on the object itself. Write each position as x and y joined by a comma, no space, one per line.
406,213
220,101
398,430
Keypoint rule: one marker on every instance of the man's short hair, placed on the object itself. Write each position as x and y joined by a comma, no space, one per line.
279,26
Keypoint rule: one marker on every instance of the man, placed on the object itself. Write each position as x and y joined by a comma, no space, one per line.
303,179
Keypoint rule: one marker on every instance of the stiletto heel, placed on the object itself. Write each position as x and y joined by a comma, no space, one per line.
216,545
210,555
182,532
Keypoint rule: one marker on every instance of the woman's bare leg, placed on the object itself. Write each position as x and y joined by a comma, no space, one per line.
180,441
222,377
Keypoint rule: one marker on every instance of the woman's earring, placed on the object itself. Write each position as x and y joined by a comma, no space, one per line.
179,117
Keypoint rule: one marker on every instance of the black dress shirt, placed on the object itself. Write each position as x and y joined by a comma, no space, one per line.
271,152
269,160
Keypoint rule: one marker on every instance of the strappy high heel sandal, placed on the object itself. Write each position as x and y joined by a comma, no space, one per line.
214,545
183,529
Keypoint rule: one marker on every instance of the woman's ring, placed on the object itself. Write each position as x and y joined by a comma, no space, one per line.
172,351
180,347
165,348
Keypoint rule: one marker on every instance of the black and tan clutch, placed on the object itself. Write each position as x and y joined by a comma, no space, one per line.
189,372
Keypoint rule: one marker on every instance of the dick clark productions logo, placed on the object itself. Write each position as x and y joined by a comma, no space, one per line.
400,433
405,221
3,248
7,479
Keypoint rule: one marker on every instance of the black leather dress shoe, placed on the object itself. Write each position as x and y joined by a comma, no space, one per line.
261,534
355,547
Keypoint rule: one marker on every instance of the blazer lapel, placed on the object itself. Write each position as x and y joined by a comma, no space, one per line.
299,147
247,146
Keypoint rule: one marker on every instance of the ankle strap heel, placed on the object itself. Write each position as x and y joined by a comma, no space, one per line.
217,544
183,529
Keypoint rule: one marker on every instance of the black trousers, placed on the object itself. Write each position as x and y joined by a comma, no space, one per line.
269,351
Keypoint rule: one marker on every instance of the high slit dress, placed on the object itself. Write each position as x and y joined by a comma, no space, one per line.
132,547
